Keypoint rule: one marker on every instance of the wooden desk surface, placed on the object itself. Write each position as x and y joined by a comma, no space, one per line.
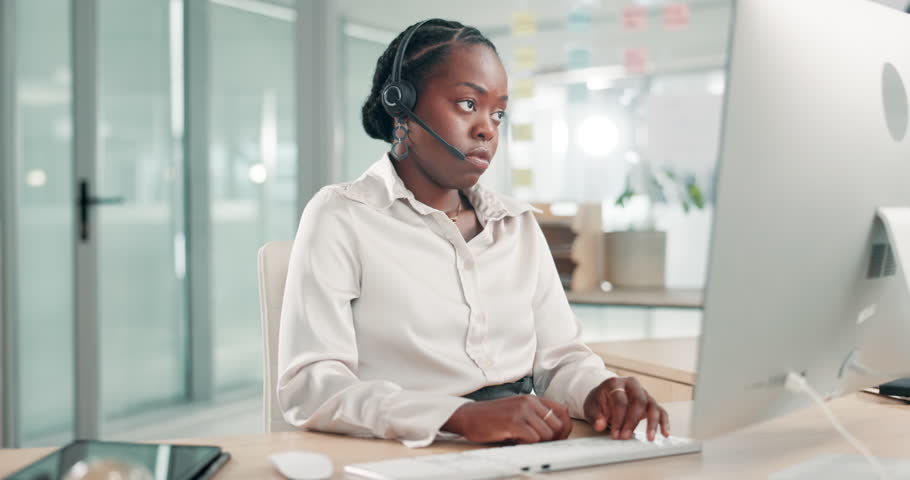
641,297
669,358
755,452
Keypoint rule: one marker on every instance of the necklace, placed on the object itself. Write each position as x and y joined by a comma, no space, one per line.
454,218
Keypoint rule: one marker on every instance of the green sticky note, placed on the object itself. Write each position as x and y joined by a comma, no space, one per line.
579,20
522,132
578,92
579,57
525,58
524,88
522,177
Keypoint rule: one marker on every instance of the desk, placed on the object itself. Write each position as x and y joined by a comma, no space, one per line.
641,297
754,452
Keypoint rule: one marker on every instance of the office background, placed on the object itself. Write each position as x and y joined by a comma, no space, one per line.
209,123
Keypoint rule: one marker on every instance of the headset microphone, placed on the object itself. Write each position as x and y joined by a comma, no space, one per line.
435,135
399,97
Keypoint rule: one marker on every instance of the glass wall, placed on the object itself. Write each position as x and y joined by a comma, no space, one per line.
140,293
621,100
142,289
44,233
603,95
615,107
252,176
606,99
361,46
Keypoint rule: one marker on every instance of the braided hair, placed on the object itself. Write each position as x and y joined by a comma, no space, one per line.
429,46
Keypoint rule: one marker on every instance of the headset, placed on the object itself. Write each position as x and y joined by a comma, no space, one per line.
399,97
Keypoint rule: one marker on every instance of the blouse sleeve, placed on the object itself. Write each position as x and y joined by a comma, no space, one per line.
565,369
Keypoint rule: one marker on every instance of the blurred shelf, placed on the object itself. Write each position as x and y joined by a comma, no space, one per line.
641,297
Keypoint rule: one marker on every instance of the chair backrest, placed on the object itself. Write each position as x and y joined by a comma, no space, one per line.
273,272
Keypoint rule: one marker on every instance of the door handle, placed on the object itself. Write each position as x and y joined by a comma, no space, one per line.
85,201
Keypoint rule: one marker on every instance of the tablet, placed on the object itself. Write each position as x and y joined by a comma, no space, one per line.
96,459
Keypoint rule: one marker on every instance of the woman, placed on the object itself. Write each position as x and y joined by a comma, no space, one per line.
418,302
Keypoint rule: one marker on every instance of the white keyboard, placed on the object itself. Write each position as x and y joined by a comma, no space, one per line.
498,462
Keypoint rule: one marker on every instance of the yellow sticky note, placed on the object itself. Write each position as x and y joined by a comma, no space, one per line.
524,88
524,23
522,177
522,132
526,58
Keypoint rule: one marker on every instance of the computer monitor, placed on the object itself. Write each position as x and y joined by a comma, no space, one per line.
805,273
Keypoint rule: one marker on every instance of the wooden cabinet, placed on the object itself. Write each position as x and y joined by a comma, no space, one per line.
560,238
664,367
661,389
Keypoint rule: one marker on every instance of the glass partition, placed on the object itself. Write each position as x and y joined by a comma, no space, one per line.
252,172
44,233
606,97
614,107
142,319
142,295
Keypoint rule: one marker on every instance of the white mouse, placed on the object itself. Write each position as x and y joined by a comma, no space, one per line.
300,465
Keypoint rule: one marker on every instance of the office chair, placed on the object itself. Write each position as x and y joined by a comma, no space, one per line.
273,271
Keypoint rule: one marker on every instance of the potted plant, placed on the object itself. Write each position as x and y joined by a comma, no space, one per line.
636,257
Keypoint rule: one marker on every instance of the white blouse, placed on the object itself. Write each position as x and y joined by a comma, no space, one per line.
389,315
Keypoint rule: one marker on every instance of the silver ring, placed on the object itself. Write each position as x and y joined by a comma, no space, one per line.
549,412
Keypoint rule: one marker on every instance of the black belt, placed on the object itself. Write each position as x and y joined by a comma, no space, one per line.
521,387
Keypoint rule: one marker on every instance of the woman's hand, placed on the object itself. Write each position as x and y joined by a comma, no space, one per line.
521,419
621,403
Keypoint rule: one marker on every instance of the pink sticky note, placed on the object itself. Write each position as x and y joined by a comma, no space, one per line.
634,17
676,15
635,60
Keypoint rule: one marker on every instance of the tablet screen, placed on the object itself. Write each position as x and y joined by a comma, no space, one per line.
95,459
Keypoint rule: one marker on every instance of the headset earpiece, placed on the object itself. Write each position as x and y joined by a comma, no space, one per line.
399,97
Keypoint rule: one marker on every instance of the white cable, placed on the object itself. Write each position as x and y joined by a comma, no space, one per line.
796,383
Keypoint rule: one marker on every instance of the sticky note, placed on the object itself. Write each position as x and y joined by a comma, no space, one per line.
524,88
522,132
635,60
522,177
524,23
526,58
577,93
579,57
579,20
634,17
676,16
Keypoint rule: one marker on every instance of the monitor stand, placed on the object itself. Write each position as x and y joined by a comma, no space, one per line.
884,308
883,320
896,221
